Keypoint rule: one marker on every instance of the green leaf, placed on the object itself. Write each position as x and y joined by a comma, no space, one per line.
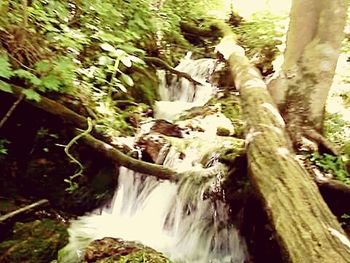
50,82
136,60
126,61
3,149
5,87
43,66
121,87
127,79
104,60
24,74
107,47
131,49
118,53
31,95
64,69
5,67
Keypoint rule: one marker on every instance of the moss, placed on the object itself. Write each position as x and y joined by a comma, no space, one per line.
222,131
144,255
36,241
115,250
231,108
145,89
198,111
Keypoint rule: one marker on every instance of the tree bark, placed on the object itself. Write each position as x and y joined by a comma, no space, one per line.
108,150
122,159
312,50
304,227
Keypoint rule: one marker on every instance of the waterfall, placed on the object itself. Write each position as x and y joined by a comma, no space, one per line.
181,94
182,219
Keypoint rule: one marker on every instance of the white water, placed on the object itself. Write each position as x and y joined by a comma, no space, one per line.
180,219
182,94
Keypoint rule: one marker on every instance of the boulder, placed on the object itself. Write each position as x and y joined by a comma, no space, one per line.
117,250
33,242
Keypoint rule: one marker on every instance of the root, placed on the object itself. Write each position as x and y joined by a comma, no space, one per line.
315,136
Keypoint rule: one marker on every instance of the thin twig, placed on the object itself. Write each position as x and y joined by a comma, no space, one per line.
10,111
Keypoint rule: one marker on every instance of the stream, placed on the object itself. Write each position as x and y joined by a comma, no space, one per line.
181,220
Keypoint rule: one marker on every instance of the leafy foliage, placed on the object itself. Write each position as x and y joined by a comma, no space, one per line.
337,129
5,66
84,48
3,149
260,38
331,164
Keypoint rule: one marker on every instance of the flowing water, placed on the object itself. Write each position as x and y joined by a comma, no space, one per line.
181,220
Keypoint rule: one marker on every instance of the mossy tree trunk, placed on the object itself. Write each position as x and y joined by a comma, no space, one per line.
313,45
112,153
304,226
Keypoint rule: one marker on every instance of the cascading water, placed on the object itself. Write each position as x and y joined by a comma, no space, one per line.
181,94
182,220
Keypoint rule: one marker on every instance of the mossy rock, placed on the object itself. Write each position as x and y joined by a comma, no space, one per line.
222,131
145,89
231,108
34,242
198,111
116,250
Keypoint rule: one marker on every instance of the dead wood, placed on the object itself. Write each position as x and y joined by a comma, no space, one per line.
78,121
15,215
303,225
160,63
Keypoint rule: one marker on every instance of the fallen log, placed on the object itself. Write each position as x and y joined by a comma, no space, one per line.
15,215
108,150
122,159
303,225
53,107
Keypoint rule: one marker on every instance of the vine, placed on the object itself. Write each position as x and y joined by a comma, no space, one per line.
73,185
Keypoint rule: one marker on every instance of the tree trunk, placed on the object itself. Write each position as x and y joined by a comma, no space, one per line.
312,50
304,227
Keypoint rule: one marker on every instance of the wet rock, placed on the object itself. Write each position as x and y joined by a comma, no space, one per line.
167,128
199,112
34,242
154,148
230,106
114,250
223,131
211,125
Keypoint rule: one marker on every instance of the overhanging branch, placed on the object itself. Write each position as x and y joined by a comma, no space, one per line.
160,63
108,150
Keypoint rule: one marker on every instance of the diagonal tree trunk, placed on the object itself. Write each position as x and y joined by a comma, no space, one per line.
304,227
